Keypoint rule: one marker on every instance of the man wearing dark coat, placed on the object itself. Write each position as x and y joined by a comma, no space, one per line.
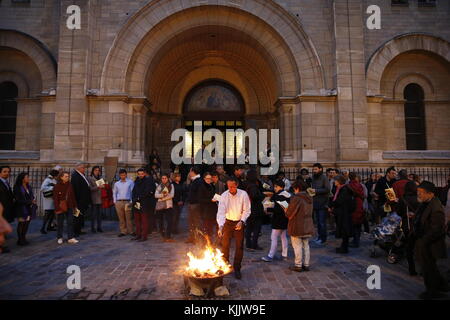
6,199
144,202
6,194
82,190
429,230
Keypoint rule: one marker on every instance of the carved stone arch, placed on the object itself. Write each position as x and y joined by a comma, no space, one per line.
396,46
417,78
297,61
36,51
18,80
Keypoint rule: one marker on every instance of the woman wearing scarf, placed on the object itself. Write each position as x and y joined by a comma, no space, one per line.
164,207
341,209
25,206
358,213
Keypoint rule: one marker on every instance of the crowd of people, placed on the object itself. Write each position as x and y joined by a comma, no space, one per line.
235,204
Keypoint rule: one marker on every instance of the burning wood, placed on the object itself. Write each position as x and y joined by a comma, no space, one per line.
208,264
205,272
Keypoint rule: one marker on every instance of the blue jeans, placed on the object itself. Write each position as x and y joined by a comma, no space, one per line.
60,218
96,216
321,219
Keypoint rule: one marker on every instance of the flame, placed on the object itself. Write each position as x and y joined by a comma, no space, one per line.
209,264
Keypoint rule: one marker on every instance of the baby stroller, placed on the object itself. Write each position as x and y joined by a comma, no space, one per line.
390,237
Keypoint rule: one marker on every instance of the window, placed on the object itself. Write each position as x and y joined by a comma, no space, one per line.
8,115
414,117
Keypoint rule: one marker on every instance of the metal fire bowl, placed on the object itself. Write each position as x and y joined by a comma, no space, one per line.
206,280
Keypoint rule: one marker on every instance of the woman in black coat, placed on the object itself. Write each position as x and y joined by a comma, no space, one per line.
205,194
25,206
254,221
406,206
341,205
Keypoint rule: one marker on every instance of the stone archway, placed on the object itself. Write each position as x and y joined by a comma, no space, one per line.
36,51
298,64
396,46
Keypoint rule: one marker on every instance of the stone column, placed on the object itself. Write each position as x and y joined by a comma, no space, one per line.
351,115
71,113
290,131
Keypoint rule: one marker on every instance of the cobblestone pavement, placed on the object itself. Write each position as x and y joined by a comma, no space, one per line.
117,268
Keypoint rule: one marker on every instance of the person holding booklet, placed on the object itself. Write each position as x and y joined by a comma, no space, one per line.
300,225
279,221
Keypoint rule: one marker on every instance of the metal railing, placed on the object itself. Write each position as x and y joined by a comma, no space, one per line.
438,175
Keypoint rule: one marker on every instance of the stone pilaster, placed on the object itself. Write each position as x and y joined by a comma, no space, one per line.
351,113
290,131
71,112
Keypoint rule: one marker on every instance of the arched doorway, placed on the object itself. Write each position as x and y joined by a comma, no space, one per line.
213,104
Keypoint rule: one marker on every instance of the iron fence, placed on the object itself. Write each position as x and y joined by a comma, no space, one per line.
437,175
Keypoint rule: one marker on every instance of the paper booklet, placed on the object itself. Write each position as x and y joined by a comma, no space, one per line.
283,204
217,197
100,182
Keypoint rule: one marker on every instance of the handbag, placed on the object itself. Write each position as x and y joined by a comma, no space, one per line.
48,194
161,205
63,205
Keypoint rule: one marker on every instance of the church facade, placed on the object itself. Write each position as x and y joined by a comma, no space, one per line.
341,93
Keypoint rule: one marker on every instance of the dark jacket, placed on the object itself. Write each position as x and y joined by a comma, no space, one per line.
430,230
342,212
383,184
144,193
279,219
205,194
220,187
322,187
180,192
7,200
24,206
299,214
407,203
256,196
192,197
82,191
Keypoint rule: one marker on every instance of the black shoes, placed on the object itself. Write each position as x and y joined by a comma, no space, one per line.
93,231
237,274
258,248
99,230
305,268
341,250
43,231
120,235
295,268
353,245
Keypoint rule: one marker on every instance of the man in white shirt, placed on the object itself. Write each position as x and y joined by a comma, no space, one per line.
122,201
233,211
